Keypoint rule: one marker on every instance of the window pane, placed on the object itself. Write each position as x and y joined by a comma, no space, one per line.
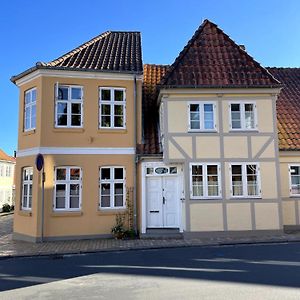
105,189
236,169
24,200
235,107
208,124
118,200
75,174
33,95
60,174
74,202
249,116
105,109
62,120
76,108
195,125
30,190
118,122
76,120
30,202
33,116
74,189
173,170
105,95
60,195
27,97
208,107
119,95
212,169
76,93
237,183
195,116
119,173
194,108
62,108
295,170
63,93
118,110
197,180
295,179
118,188
105,201
105,121
105,173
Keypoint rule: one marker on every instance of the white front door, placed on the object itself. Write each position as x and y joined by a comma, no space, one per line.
162,202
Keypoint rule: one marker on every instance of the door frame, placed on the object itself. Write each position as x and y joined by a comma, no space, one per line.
181,208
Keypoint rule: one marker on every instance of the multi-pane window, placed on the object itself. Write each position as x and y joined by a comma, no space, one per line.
69,106
112,102
245,181
294,180
202,116
30,110
27,177
112,187
68,184
8,171
205,181
243,116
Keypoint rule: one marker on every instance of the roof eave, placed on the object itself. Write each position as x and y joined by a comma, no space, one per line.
30,70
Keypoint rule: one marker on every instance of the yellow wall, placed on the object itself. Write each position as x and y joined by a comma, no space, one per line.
91,220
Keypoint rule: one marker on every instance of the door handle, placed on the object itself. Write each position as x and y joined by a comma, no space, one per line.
164,200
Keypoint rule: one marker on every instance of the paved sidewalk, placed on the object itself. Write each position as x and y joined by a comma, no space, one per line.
10,248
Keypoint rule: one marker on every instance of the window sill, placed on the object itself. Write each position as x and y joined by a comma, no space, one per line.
202,131
25,213
111,212
112,130
205,199
244,198
66,213
243,130
28,132
68,129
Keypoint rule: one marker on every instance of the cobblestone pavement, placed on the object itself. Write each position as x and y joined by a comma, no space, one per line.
10,248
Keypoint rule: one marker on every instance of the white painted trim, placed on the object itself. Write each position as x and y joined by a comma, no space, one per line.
244,180
143,208
73,151
205,182
201,116
76,74
242,104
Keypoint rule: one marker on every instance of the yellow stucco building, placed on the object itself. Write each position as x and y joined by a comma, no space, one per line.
193,146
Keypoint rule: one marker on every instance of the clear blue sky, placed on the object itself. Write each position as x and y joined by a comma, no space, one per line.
35,30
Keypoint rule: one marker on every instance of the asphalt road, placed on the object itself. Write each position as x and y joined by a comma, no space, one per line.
228,272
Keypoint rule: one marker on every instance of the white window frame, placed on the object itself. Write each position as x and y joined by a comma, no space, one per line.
244,180
112,183
205,181
69,103
30,106
290,179
67,182
243,119
201,112
28,183
112,103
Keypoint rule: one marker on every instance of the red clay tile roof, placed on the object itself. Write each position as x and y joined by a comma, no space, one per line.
5,157
288,108
111,51
212,59
152,76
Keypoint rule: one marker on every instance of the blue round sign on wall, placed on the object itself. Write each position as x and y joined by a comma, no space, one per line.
39,162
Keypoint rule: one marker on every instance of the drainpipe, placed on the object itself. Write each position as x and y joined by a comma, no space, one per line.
135,157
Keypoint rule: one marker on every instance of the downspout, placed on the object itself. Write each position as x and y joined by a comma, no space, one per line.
135,156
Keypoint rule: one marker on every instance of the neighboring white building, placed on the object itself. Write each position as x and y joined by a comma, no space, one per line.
7,187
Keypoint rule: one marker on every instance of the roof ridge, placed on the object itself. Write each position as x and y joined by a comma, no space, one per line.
76,50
